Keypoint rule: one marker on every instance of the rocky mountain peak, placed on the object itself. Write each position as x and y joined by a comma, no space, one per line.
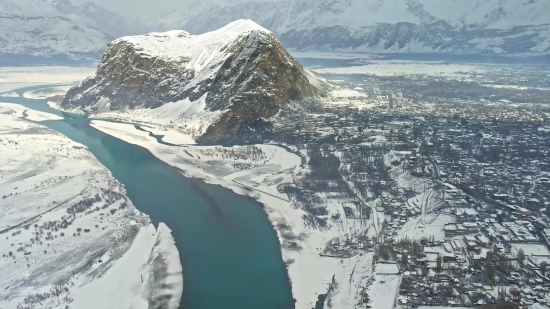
235,78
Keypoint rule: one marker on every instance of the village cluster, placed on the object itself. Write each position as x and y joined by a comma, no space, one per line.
456,200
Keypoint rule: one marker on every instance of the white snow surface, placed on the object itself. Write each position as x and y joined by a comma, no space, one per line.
201,54
411,68
384,290
12,78
94,252
180,122
117,288
178,45
47,92
32,115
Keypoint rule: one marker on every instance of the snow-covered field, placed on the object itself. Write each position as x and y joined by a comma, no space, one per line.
12,78
351,282
384,290
430,225
69,235
46,93
411,68
180,122
262,168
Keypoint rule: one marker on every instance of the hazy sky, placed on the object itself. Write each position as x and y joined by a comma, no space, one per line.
134,8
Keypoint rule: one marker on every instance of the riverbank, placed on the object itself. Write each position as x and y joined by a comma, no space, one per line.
70,236
63,77
263,168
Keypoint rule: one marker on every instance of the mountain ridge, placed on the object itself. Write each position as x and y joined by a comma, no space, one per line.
49,29
386,26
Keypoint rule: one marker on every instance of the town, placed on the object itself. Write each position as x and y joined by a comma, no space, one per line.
453,198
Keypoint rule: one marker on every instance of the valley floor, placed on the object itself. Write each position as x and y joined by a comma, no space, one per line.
69,236
258,171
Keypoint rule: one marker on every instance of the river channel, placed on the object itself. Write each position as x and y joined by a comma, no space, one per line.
228,249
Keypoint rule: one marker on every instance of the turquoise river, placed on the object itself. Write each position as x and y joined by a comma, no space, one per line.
228,249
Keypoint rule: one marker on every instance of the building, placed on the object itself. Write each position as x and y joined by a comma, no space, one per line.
450,230
523,211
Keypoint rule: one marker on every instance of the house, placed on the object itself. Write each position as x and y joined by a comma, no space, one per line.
450,230
471,227
524,211
483,241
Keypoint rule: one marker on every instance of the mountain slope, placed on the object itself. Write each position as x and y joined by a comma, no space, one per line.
500,26
96,16
221,86
51,28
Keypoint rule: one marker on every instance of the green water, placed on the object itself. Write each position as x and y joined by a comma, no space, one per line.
228,248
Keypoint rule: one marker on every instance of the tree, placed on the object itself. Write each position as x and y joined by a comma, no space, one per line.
490,271
405,259
438,262
449,290
543,266
333,283
503,263
56,291
385,251
521,255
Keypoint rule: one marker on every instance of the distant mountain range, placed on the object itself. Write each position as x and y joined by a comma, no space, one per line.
50,28
385,26
47,28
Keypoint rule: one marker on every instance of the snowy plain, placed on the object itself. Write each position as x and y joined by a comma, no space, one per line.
410,68
69,235
12,78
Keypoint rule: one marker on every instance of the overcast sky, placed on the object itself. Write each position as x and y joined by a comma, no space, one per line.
134,8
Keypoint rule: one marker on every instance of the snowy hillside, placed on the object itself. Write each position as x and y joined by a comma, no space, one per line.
49,28
220,86
96,16
70,236
498,26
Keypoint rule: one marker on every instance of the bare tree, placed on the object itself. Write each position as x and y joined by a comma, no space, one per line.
405,259
490,271
438,262
521,256
56,290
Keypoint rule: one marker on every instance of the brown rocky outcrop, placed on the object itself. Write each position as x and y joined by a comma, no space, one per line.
252,79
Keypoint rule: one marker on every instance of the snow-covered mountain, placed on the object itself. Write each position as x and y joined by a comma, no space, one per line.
221,86
496,26
98,17
49,28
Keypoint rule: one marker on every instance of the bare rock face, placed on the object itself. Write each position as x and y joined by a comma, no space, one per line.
243,71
